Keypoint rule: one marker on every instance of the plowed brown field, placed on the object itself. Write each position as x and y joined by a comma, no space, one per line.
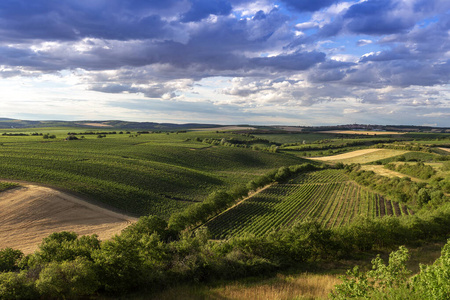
31,212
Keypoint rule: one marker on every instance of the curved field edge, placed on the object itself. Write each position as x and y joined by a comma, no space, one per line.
32,212
154,174
6,185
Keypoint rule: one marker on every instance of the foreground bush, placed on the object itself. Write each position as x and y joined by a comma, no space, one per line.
392,281
17,286
67,279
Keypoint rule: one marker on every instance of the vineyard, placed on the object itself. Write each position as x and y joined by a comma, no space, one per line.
157,173
327,196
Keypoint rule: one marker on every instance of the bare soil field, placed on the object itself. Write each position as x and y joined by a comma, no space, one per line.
361,156
30,213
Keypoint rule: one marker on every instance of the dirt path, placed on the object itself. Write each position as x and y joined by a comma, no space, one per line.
445,149
346,155
32,212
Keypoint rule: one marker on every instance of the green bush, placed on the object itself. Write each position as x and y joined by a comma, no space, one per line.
68,279
146,226
17,286
62,246
119,265
381,280
9,259
433,282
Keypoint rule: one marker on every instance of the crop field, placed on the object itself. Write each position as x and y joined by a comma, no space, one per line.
327,196
363,156
140,174
30,213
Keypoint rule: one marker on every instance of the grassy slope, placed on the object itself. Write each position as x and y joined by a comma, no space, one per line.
148,174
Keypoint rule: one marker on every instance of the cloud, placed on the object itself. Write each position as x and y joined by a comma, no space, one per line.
74,20
309,5
379,17
364,42
284,54
296,61
201,9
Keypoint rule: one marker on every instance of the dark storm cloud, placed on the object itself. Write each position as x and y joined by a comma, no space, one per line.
308,5
72,20
201,9
293,62
211,46
374,17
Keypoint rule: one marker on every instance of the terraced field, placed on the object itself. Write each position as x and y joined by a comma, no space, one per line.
327,196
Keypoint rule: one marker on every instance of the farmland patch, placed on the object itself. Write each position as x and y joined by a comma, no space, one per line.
30,213
327,196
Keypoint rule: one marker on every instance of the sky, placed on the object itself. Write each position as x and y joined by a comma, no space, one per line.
263,62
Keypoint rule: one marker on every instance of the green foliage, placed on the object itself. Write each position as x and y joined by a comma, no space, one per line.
392,281
382,279
67,279
400,189
17,286
413,156
419,170
9,259
63,246
119,265
423,197
147,226
140,258
433,282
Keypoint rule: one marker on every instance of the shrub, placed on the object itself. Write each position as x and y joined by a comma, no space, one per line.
61,246
9,259
71,279
119,265
17,286
382,279
147,226
433,282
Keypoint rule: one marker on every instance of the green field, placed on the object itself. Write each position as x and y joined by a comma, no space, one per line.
156,173
327,196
